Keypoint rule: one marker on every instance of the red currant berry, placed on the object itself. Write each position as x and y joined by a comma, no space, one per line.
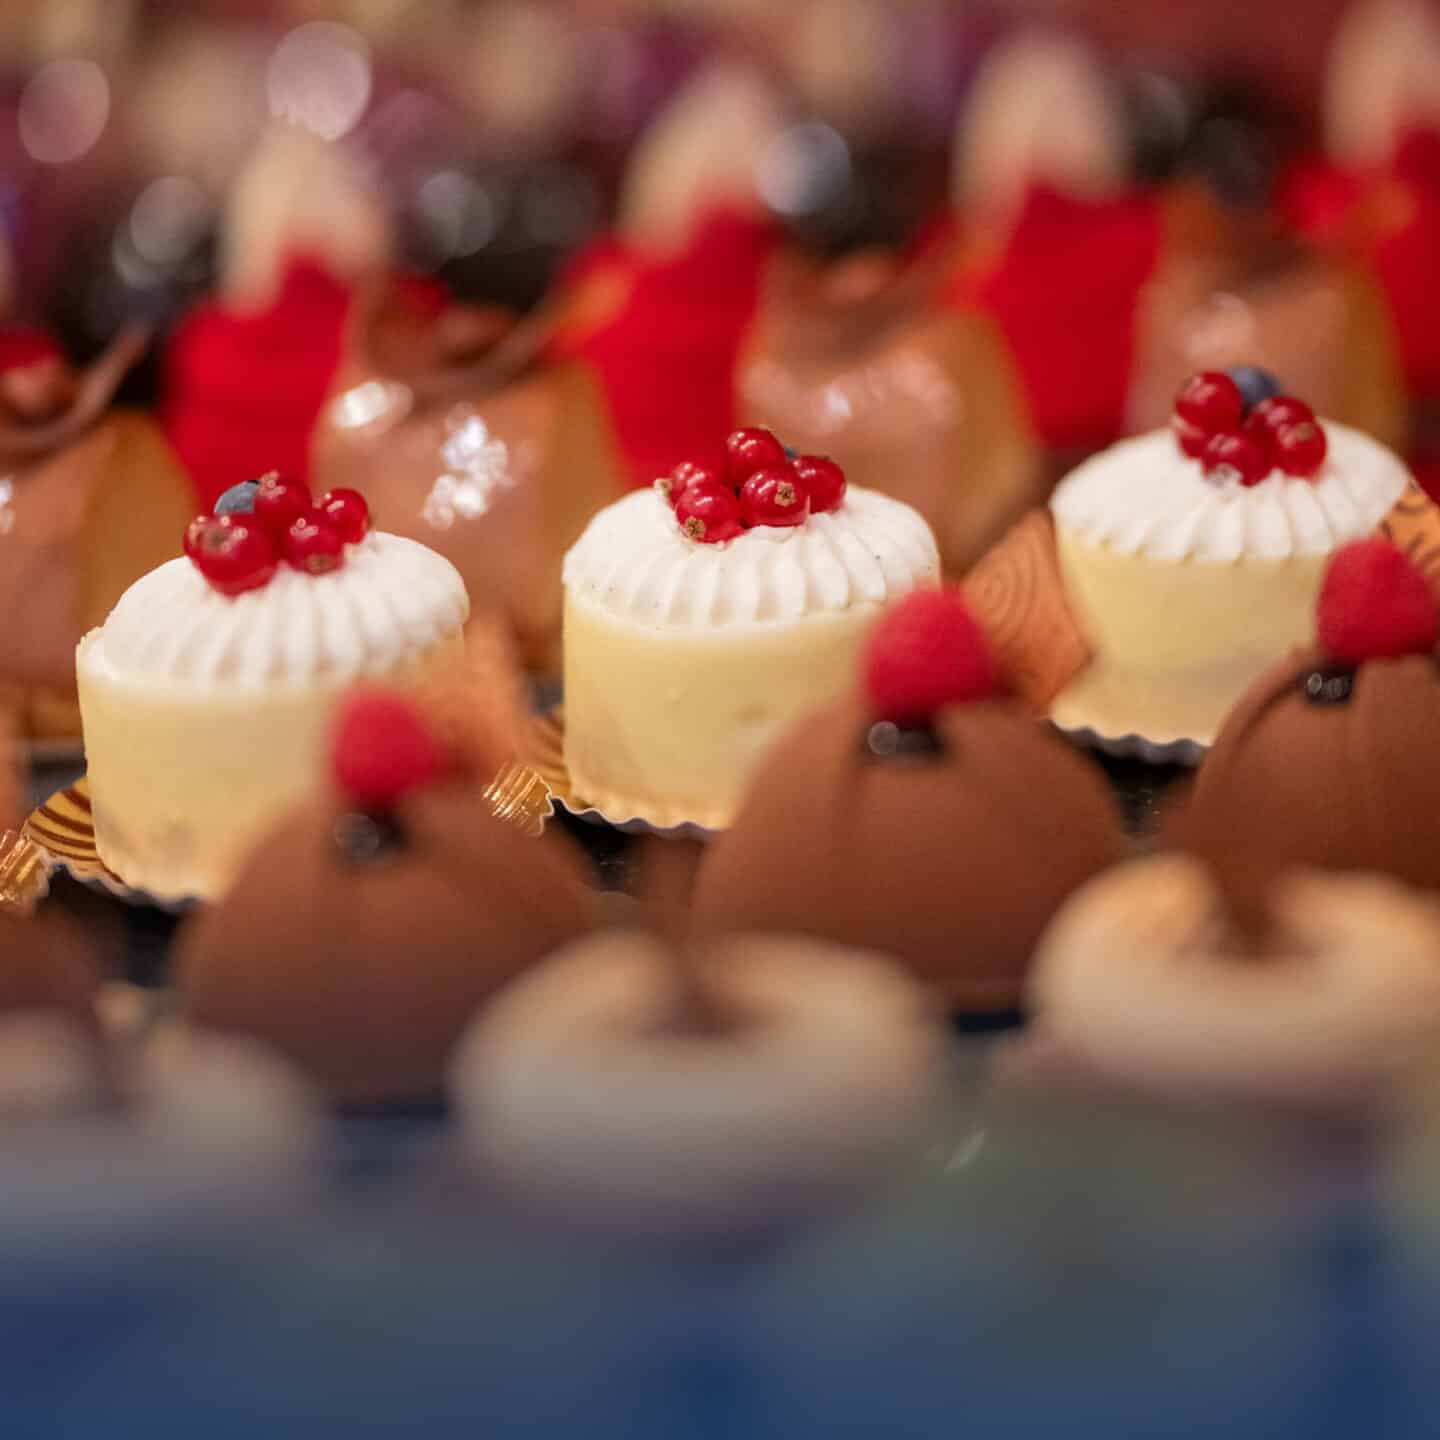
688,473
925,653
824,482
383,750
1301,449
1236,457
1212,402
231,552
774,497
347,512
314,546
1374,603
279,504
709,512
1191,438
750,450
1270,417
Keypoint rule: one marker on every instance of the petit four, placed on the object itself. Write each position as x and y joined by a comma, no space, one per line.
450,424
90,500
1328,761
705,616
744,1087
926,817
367,927
1192,556
278,605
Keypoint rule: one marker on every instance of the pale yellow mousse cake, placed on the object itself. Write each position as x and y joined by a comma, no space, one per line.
1188,586
206,715
685,661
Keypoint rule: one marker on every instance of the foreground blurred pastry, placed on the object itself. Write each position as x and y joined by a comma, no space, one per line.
371,923
90,499
1330,760
279,604
927,817
1192,556
1323,997
740,1088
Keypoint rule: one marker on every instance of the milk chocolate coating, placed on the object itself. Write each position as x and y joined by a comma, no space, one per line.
955,865
48,964
1350,786
365,975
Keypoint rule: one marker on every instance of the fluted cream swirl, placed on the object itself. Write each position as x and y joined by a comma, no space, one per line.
1146,497
391,601
635,563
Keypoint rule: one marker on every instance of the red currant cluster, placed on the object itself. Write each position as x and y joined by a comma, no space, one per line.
262,524
763,484
1245,436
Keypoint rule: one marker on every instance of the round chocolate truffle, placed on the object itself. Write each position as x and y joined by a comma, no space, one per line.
948,837
359,945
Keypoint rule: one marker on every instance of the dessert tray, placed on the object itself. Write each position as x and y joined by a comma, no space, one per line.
547,760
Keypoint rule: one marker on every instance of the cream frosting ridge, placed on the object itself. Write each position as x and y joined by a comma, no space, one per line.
634,563
1145,496
392,599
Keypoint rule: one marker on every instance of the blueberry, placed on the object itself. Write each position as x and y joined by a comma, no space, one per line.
238,499
1255,385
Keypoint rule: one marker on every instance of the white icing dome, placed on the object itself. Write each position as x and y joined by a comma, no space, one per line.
392,599
635,563
1147,497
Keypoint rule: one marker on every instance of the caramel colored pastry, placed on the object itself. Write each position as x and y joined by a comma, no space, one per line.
759,1082
90,501
1146,980
1232,291
688,655
948,836
1190,579
449,426
182,666
915,400
368,927
1327,762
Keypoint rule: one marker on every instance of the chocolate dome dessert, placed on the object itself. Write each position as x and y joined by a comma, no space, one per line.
1330,760
926,817
364,934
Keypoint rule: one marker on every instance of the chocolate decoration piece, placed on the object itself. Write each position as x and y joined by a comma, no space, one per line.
369,839
1332,786
364,976
956,866
1330,685
886,740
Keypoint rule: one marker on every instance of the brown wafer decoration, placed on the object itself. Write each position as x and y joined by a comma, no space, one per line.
1414,525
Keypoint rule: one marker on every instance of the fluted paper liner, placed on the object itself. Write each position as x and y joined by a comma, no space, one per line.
1017,596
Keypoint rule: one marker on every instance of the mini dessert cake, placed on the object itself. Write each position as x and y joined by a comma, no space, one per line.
914,399
90,499
447,421
1192,557
428,904
1324,998
927,818
752,1085
706,616
1328,761
279,604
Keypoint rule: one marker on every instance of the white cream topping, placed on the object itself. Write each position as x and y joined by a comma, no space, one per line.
392,600
1146,497
635,563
